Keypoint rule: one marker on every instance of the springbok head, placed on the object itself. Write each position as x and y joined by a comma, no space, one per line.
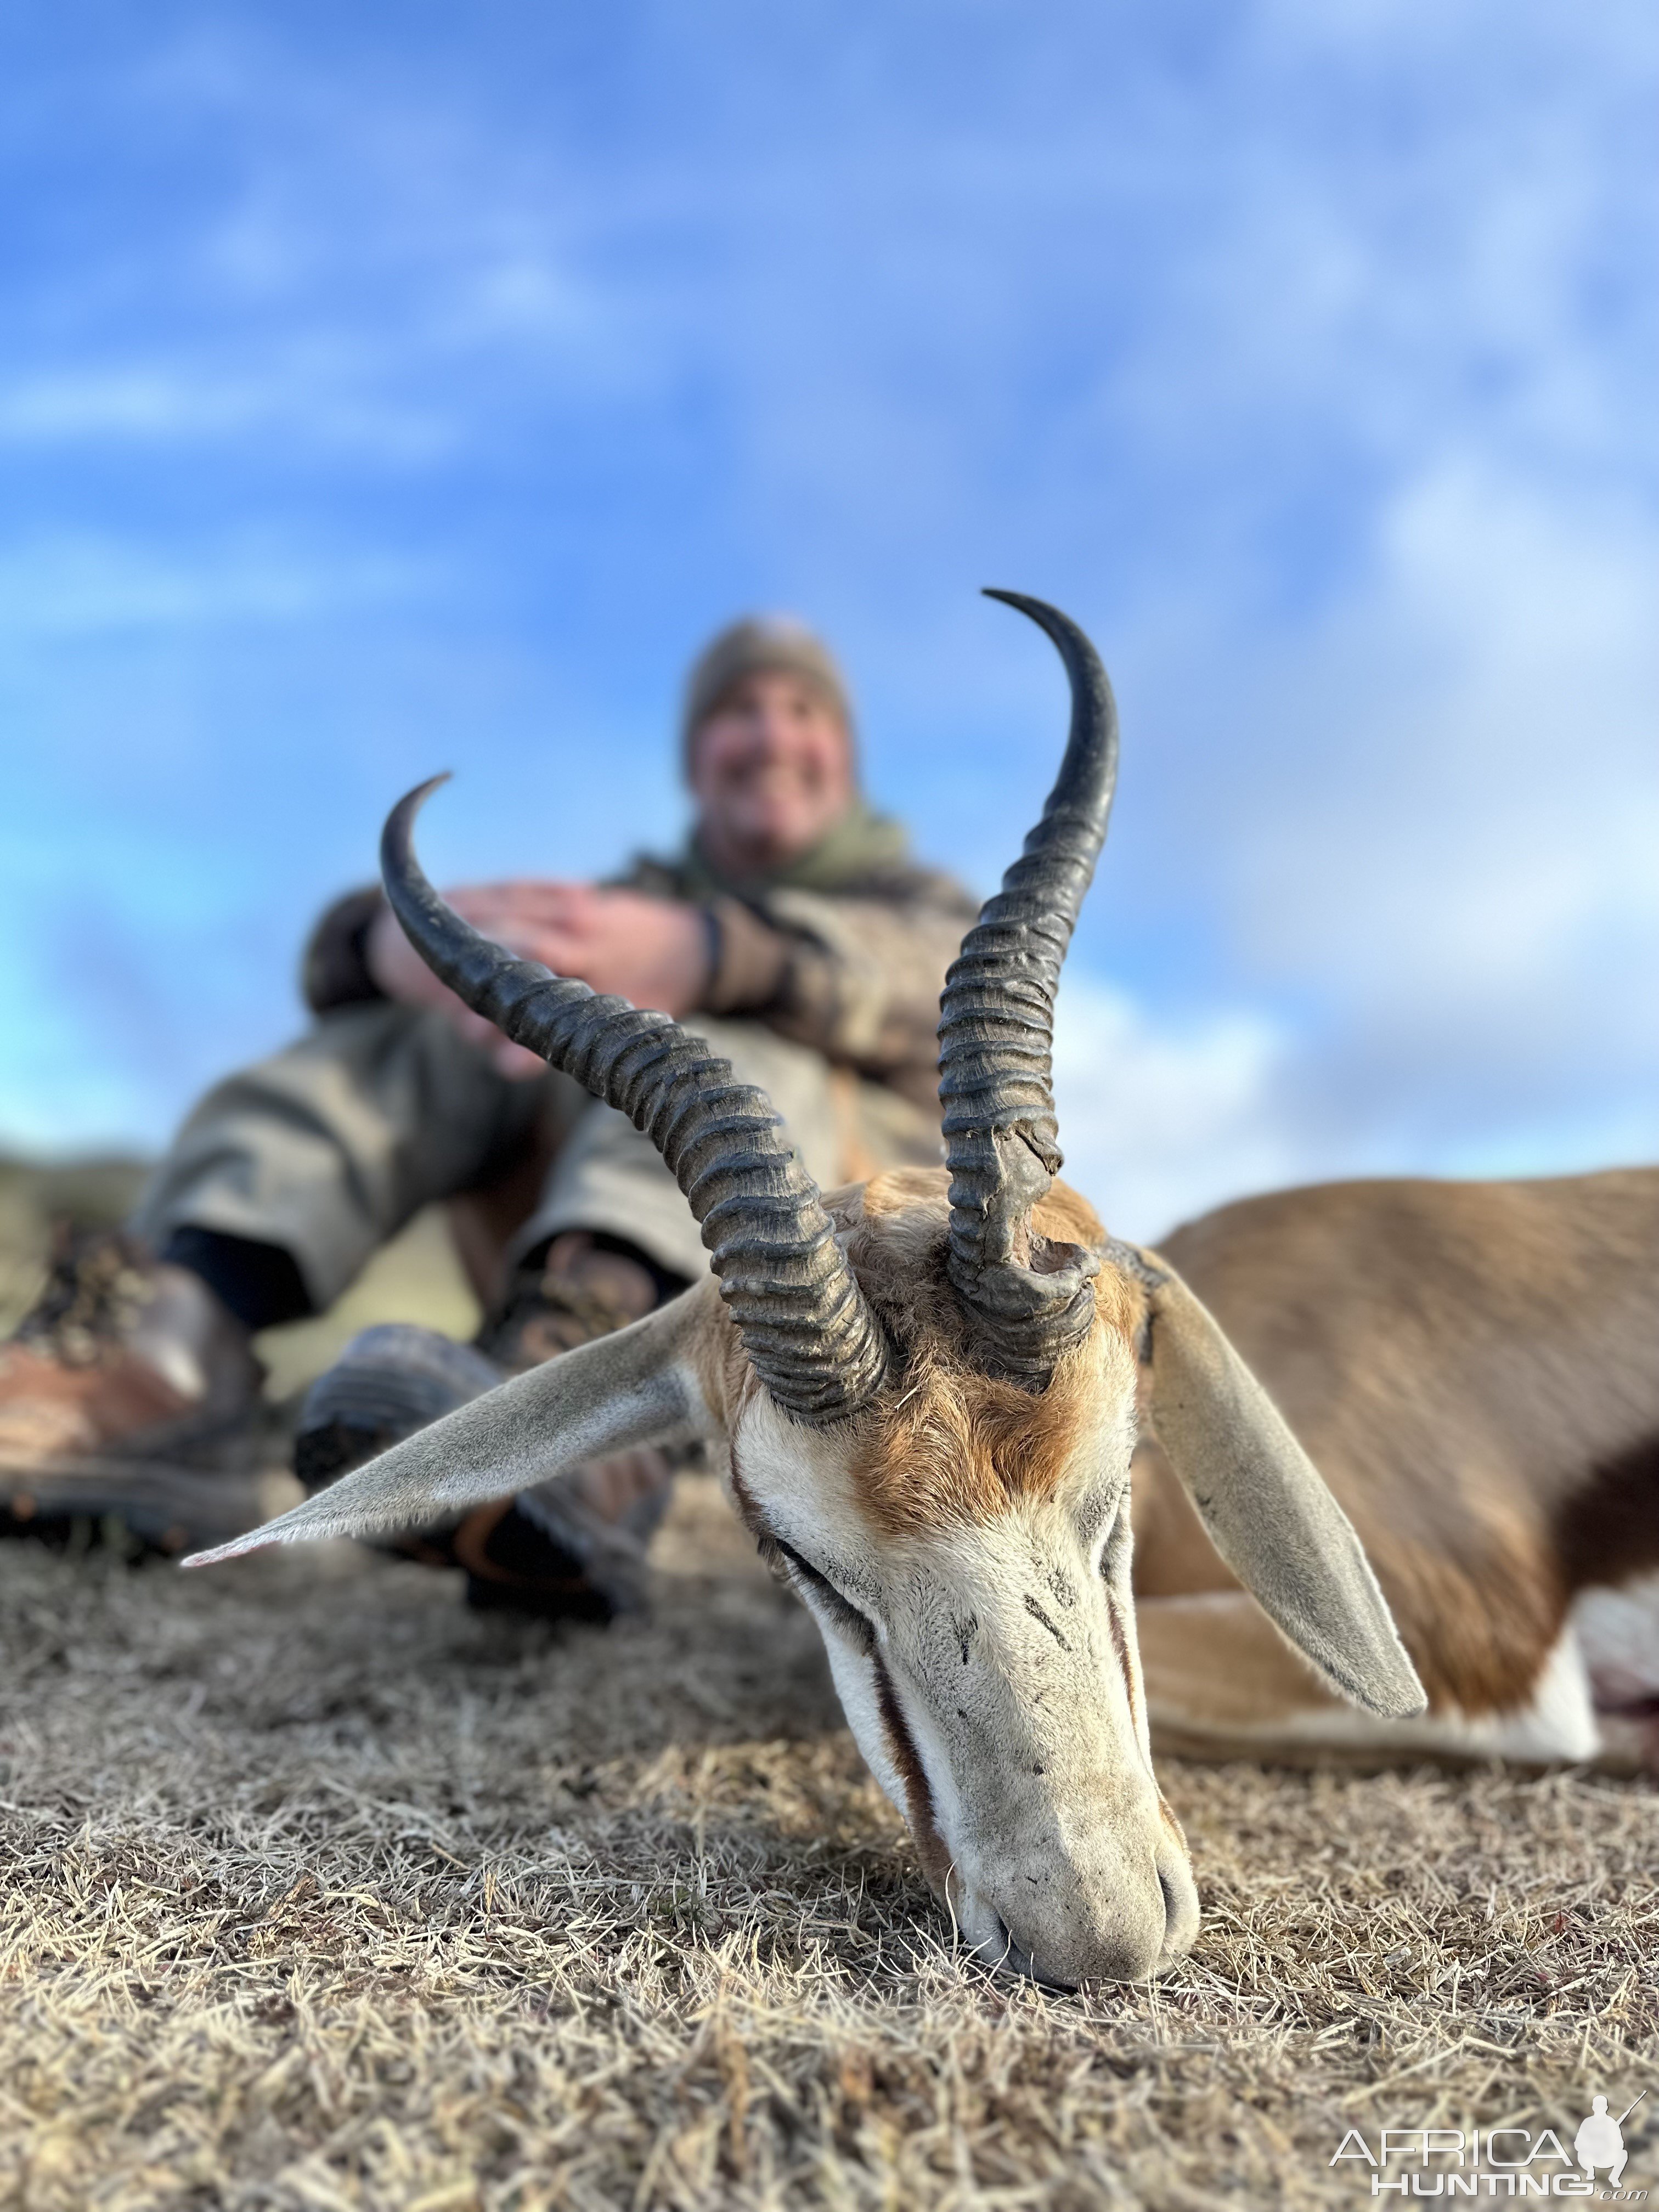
928,1386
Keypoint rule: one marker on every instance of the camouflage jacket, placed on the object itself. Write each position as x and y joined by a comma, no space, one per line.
845,949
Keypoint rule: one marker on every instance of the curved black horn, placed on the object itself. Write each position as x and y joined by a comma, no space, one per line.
996,1038
805,1322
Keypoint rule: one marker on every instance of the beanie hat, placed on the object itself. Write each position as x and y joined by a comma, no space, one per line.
776,642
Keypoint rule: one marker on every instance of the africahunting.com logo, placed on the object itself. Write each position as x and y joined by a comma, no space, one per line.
1497,2161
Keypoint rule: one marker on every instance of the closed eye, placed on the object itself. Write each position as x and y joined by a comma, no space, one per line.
846,1616
1098,1520
1116,1541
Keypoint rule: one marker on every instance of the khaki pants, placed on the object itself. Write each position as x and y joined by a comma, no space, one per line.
328,1148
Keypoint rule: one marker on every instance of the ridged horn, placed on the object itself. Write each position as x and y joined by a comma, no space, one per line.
805,1322
1031,1297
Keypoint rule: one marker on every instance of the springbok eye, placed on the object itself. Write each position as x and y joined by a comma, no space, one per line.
1116,1537
846,1615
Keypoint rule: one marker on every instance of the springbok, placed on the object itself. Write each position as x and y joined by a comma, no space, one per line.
927,1385
1471,1368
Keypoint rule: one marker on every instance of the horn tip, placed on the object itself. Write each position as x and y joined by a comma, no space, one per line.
1037,610
422,792
395,837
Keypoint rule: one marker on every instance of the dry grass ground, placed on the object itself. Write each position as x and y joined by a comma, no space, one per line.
323,1892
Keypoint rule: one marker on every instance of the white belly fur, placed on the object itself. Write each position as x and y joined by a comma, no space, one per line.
1594,1699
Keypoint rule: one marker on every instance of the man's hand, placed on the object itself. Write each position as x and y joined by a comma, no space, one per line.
653,951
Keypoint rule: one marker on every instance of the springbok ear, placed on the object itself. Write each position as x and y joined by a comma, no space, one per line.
637,1386
1265,1505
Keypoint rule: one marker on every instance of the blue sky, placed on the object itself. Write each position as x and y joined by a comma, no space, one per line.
388,388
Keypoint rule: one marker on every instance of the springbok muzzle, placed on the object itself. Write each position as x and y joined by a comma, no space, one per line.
1015,1678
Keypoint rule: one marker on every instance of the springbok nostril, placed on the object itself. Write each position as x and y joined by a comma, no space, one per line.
1181,1911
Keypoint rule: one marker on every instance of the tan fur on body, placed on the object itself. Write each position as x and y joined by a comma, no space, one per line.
1474,1370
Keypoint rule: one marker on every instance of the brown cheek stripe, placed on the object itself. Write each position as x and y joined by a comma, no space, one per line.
1130,1684
918,1796
1120,1645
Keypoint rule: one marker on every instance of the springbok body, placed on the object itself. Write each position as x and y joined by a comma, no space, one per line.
927,1387
1474,1370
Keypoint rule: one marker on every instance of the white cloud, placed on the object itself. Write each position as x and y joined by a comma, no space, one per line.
1463,824
1160,1122
133,402
324,393
65,586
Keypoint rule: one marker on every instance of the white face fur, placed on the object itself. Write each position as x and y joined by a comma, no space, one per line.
989,1672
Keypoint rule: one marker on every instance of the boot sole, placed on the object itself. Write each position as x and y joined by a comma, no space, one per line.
91,1503
395,1379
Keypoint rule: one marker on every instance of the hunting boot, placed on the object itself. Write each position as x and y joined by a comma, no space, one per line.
572,1548
128,1404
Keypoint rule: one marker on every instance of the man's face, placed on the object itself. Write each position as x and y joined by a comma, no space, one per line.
771,770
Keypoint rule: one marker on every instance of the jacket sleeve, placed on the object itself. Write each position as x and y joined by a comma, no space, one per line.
334,966
856,978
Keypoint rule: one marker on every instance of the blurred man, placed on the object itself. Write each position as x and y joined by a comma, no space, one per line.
796,929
